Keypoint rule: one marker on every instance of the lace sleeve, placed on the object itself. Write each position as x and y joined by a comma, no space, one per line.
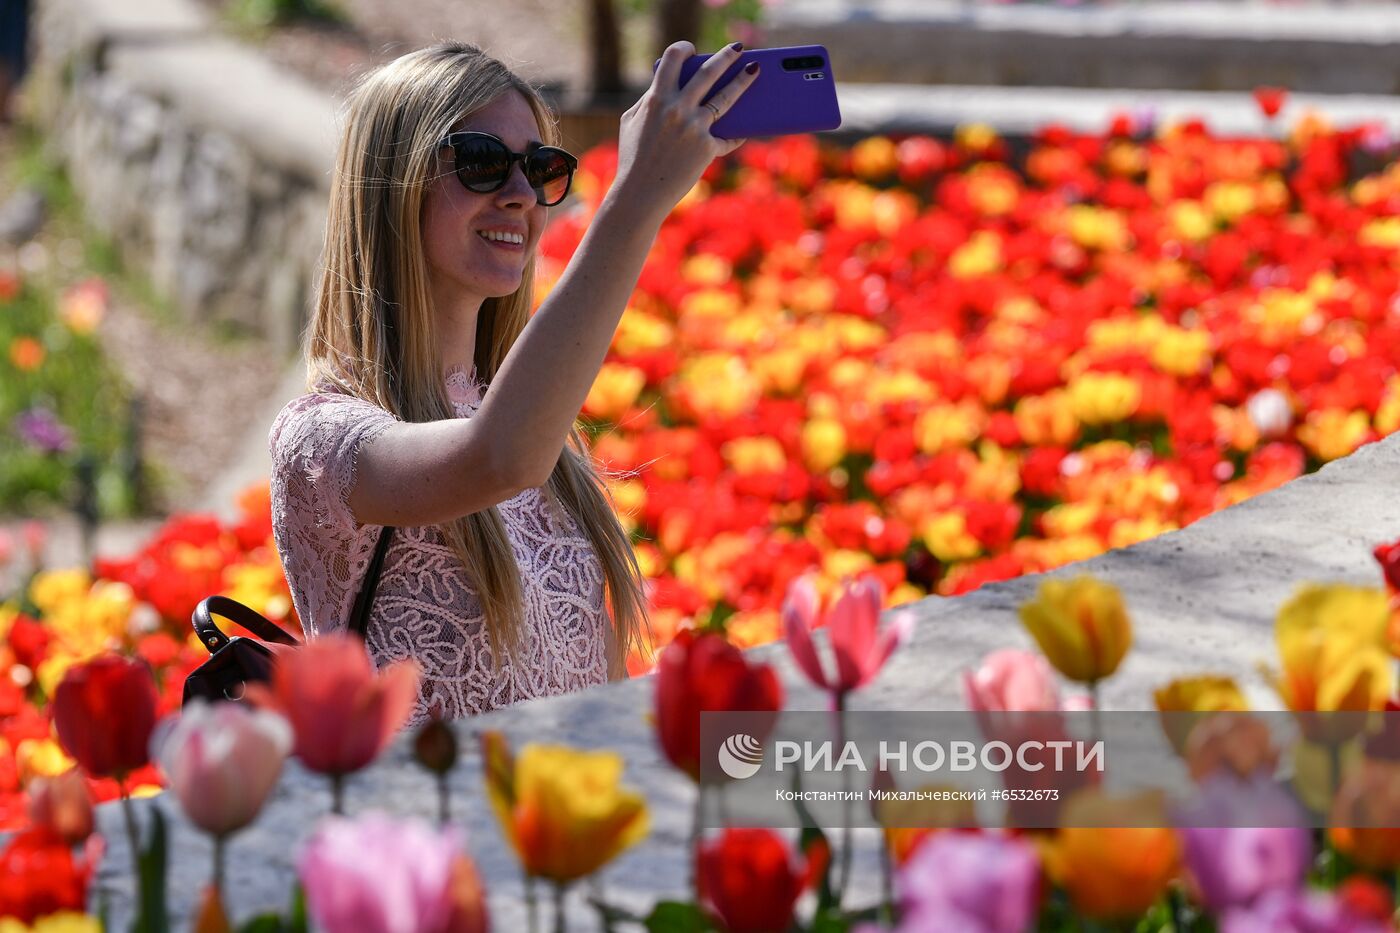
314,443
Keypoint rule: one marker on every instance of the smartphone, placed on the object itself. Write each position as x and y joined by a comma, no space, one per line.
795,92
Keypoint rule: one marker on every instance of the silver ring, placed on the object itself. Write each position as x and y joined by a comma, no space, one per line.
713,108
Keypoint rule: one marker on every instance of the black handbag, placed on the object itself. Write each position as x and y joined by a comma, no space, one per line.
236,661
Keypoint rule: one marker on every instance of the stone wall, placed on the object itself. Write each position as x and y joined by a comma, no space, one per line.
1197,46
207,167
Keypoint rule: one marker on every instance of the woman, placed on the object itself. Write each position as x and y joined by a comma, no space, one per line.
441,408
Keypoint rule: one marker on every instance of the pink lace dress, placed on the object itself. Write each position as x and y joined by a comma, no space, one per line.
424,607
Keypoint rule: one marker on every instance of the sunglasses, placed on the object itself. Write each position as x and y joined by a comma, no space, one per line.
483,164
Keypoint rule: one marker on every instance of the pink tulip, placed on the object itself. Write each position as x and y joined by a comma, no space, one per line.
852,625
222,760
62,803
1012,680
342,713
376,874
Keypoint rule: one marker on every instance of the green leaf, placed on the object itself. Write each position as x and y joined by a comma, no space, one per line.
264,923
812,833
152,916
677,917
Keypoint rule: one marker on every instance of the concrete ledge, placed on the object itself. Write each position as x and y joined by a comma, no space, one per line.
219,85
884,108
1202,599
1190,46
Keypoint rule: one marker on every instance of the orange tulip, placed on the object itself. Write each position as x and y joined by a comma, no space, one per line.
342,712
1112,871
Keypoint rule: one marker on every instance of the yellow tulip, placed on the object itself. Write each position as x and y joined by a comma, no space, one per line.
1184,702
1081,625
823,444
1331,640
561,809
615,391
1112,871
65,921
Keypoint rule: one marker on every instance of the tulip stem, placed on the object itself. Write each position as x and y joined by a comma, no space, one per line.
846,796
530,907
338,794
886,882
219,867
134,840
695,842
558,907
1094,723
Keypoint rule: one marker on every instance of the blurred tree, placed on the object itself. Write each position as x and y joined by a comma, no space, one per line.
676,20
606,41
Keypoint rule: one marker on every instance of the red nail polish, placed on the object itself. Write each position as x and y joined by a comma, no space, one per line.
751,68
738,46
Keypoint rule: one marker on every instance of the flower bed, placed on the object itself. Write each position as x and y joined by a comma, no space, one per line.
948,366
920,360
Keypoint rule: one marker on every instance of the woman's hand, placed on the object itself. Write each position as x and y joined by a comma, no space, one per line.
665,142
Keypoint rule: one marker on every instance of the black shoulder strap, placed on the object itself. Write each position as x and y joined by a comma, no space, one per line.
359,616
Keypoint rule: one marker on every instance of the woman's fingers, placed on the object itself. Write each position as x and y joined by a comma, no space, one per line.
730,95
667,80
704,79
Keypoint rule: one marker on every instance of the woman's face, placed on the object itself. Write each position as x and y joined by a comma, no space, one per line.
462,265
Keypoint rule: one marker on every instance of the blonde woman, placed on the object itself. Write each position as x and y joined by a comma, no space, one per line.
441,408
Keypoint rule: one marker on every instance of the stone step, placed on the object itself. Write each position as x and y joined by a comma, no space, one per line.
1203,46
894,108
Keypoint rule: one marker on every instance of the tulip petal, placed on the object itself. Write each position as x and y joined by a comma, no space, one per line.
797,617
852,626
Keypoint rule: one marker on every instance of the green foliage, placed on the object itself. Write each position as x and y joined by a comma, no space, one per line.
263,13
75,383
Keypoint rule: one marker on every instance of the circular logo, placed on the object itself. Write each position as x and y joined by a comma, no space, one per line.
741,756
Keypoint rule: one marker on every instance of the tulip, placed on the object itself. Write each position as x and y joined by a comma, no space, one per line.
561,809
342,713
40,876
1081,625
104,711
1365,816
1111,865
1303,910
1332,642
1232,863
1183,703
858,651
1238,742
977,882
699,672
435,748
1011,680
222,760
63,804
418,880
858,648
750,880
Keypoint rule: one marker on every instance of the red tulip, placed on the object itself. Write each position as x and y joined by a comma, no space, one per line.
851,626
750,879
1388,556
39,875
700,671
1270,100
342,712
104,711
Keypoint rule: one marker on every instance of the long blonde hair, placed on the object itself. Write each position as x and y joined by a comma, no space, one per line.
373,333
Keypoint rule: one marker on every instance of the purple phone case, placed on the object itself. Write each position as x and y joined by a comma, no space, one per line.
780,101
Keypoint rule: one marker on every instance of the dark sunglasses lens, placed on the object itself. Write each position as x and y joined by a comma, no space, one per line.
549,174
482,164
